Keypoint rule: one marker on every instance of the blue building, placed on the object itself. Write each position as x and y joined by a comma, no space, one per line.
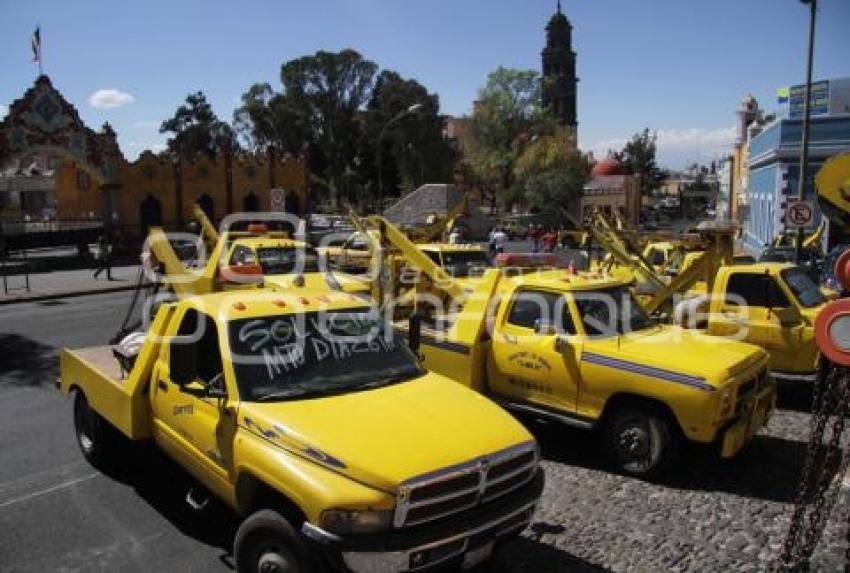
774,164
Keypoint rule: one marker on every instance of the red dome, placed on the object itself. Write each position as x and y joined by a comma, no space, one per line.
608,166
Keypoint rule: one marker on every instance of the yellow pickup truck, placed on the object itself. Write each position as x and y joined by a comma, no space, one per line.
773,305
579,349
306,415
246,259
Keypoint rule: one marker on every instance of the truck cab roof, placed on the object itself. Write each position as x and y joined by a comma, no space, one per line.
230,305
565,280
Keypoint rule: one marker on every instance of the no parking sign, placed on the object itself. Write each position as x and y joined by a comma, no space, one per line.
799,213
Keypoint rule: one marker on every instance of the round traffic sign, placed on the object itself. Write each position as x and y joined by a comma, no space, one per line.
799,213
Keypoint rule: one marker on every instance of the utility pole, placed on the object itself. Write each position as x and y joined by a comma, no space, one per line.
804,144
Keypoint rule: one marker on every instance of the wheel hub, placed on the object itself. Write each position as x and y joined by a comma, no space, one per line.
273,561
635,442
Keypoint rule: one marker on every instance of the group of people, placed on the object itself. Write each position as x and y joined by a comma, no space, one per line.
548,240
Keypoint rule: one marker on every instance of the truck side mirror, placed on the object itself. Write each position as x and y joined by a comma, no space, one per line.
414,332
183,363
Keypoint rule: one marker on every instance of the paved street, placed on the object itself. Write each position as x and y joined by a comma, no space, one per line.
57,513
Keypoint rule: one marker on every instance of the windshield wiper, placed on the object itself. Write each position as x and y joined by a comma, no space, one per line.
283,394
384,382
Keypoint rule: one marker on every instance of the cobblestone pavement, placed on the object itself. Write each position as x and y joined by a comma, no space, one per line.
706,515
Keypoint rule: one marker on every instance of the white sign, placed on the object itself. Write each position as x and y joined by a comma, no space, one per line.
277,198
799,213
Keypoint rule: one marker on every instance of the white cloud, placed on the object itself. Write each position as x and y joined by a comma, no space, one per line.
3,111
110,98
676,147
145,124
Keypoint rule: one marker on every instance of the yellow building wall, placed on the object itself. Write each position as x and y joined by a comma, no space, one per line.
157,176
73,200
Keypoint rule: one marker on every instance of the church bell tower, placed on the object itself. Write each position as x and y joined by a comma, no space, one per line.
559,71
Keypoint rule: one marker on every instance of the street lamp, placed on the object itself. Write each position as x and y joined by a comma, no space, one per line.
804,151
400,115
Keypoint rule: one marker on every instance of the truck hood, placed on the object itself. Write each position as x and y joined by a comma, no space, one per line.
675,353
384,436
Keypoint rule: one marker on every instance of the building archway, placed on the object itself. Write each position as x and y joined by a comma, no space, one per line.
150,213
291,203
251,202
207,205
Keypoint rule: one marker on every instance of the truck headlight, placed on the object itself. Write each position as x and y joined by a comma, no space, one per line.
343,521
727,401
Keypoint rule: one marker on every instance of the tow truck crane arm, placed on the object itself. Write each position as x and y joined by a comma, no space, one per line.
390,234
208,231
178,277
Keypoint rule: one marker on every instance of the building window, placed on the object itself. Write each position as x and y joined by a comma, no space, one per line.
83,180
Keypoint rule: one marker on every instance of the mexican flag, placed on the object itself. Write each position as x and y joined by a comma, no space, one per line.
36,44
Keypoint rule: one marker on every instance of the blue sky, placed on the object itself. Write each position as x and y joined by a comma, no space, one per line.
677,66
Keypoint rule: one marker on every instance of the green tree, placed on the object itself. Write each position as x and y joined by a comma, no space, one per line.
503,121
552,173
268,119
339,105
413,149
331,89
638,158
195,128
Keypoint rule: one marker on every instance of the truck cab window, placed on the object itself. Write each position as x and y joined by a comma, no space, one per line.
758,290
530,306
243,255
198,337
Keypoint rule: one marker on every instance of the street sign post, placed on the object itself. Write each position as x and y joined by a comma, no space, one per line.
799,213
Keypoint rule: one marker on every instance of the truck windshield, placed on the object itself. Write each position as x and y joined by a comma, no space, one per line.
465,263
610,312
285,260
316,354
804,288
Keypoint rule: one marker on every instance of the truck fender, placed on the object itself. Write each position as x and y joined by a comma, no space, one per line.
254,493
621,399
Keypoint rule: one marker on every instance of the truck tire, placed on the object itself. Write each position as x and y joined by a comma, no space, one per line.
267,543
91,431
640,440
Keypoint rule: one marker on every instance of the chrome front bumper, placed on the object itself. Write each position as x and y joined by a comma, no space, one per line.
792,377
461,541
470,547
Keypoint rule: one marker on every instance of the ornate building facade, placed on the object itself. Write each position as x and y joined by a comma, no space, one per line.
560,84
93,180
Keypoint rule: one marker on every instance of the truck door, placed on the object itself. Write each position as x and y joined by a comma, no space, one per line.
763,321
192,427
526,361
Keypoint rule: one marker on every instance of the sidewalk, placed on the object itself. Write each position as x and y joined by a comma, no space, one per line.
62,284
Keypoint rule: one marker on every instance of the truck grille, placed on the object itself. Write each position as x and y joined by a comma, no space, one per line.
749,388
457,488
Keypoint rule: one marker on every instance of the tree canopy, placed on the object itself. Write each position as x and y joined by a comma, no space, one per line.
195,128
638,158
339,104
504,118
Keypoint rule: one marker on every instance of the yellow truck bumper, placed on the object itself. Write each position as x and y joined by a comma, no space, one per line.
755,414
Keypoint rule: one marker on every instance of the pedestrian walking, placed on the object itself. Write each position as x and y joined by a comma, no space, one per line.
549,240
103,258
534,233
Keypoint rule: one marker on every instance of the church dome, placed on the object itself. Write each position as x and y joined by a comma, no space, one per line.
605,167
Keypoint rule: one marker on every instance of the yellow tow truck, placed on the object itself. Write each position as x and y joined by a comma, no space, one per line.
305,414
577,348
246,259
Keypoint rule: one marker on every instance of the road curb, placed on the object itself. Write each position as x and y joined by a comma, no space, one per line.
67,294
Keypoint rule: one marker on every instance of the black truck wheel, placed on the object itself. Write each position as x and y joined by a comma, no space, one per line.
91,431
267,543
640,441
